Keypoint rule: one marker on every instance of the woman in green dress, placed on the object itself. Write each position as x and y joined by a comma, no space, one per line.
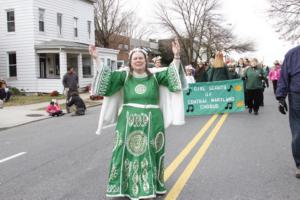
137,164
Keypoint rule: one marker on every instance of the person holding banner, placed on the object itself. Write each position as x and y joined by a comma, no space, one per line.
201,73
145,110
253,77
232,72
219,71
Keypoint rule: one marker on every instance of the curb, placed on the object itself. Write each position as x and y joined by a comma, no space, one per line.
47,117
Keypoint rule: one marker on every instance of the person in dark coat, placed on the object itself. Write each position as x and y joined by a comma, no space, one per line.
4,92
200,73
219,71
232,72
289,85
253,77
70,83
78,102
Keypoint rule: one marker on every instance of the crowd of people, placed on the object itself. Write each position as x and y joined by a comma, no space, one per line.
255,76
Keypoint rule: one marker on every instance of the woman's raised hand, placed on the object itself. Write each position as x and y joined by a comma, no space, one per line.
176,48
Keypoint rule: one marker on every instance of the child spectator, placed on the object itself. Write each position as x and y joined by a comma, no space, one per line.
54,109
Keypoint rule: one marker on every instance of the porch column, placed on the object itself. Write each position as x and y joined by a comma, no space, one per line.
80,73
63,66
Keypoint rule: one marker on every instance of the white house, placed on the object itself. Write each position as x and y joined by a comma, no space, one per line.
40,38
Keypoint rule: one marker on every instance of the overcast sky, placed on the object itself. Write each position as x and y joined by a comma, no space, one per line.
246,17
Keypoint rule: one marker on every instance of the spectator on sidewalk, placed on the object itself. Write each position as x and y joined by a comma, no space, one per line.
78,102
289,85
4,92
54,109
70,82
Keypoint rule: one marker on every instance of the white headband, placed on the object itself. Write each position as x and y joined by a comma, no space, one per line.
138,50
156,58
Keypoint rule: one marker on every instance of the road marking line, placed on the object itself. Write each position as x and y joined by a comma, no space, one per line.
178,160
184,177
12,157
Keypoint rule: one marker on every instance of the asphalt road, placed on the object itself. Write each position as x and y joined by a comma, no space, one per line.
239,157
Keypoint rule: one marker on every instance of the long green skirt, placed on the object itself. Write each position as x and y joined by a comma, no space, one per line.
137,165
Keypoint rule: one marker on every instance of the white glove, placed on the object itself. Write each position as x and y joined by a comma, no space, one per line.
98,132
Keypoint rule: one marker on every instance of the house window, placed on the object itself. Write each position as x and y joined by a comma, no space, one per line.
41,20
108,62
75,27
126,46
102,60
89,23
120,63
113,65
12,64
10,21
43,66
86,66
120,46
59,23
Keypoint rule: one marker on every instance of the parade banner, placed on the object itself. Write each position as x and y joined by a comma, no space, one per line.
214,97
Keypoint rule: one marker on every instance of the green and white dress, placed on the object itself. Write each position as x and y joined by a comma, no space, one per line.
137,165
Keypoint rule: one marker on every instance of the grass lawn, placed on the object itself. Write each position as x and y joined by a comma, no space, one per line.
25,100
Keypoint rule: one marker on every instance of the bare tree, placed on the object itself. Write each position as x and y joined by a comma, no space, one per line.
287,13
135,29
110,21
218,38
197,24
190,14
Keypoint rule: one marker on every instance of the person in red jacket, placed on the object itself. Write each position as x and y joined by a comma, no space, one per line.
54,109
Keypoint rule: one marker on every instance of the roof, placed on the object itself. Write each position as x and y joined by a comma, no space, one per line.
59,44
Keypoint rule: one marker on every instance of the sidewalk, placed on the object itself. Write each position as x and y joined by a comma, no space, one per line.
11,116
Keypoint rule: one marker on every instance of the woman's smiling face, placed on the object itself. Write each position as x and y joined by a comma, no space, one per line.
138,62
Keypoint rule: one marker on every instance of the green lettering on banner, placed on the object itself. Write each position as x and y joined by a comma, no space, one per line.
214,97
